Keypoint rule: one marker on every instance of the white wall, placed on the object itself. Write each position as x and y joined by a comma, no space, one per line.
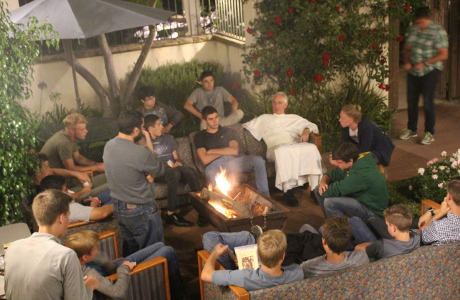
58,75
11,4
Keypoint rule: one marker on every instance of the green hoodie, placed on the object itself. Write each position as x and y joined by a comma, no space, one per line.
363,182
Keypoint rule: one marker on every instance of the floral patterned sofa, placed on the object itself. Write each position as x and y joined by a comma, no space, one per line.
429,272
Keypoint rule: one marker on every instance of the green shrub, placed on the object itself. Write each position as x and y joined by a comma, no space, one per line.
324,109
174,82
19,50
401,191
431,183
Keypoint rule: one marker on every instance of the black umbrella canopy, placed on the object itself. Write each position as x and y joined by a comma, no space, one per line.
75,19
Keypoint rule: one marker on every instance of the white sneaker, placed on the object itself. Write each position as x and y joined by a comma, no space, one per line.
427,139
407,134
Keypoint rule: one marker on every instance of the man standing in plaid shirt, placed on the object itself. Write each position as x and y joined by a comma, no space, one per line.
442,226
425,49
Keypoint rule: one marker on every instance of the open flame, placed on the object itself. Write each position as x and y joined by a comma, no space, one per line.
222,183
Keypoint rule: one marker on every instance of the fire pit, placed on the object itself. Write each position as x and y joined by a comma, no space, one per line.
243,207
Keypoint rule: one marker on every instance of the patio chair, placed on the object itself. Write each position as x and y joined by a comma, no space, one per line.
149,280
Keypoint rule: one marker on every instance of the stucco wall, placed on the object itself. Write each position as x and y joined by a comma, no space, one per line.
58,76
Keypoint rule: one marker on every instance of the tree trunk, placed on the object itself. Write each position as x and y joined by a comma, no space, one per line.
138,67
114,86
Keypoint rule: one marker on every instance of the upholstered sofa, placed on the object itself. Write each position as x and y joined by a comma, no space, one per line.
247,145
430,272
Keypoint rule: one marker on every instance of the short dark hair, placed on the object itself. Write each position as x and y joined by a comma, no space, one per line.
208,110
144,92
453,188
150,120
205,74
337,233
42,156
128,120
48,205
400,216
52,182
346,151
422,12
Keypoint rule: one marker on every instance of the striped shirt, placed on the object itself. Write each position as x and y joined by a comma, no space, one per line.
424,45
443,231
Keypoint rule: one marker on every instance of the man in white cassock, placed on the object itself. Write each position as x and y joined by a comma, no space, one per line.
286,136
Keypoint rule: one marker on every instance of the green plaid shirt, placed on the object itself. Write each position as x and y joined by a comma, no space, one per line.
424,45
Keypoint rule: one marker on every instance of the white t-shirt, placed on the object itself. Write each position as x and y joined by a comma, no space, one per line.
79,212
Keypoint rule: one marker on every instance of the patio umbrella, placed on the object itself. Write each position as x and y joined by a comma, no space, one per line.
76,19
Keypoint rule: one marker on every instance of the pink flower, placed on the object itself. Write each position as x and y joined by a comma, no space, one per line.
443,153
440,185
411,187
421,171
326,56
435,171
454,164
435,160
434,176
278,20
442,168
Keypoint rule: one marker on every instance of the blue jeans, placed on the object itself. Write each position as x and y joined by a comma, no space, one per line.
426,86
172,177
361,232
340,206
247,163
231,239
140,225
156,250
105,197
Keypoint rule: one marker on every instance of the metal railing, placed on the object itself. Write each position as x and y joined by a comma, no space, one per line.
224,17
229,18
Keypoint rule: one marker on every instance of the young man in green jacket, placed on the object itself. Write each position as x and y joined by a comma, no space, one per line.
356,188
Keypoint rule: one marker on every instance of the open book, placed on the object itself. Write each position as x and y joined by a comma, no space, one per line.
247,257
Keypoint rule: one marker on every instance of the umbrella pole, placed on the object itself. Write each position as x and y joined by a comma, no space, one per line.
71,59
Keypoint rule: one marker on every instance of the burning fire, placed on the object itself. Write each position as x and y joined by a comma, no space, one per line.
222,183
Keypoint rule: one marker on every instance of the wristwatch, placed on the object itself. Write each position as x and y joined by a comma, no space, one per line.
432,212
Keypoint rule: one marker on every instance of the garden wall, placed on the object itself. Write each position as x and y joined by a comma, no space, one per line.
57,75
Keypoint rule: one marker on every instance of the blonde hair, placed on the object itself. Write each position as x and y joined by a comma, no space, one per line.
271,247
353,111
82,241
49,205
71,121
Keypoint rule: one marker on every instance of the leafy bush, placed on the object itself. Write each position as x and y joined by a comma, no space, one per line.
401,192
19,50
431,183
174,82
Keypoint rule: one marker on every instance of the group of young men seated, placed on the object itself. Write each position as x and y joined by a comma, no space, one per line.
142,153
345,244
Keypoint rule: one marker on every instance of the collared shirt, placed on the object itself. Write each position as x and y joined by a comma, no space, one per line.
443,231
426,44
